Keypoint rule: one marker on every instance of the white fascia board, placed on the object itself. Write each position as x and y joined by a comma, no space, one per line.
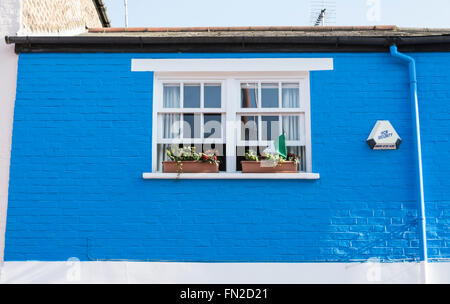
232,65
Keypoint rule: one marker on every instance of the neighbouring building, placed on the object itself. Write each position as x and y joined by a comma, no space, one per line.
31,18
95,113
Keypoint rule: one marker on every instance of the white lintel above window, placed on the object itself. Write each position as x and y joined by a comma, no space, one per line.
232,65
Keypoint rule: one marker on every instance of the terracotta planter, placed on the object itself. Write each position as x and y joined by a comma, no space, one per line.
259,167
190,167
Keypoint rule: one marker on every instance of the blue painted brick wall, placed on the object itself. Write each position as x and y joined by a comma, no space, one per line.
434,92
82,138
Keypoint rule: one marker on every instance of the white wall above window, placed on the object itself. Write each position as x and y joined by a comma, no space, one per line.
232,65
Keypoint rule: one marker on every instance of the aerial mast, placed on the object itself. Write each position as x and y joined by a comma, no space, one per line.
323,12
126,12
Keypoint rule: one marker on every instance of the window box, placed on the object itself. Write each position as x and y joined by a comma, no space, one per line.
260,167
189,167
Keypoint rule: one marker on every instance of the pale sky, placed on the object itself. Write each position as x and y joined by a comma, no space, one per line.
156,13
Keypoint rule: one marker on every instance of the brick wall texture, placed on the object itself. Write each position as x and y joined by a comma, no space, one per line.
56,16
82,138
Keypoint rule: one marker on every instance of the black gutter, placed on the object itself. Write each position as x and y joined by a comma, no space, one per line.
101,10
38,44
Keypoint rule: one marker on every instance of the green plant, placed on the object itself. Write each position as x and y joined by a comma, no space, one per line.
183,154
271,157
251,156
210,156
293,157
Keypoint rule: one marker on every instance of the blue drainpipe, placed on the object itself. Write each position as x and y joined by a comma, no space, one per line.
416,128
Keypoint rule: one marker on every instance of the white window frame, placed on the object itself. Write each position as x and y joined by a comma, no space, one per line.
230,108
181,110
279,111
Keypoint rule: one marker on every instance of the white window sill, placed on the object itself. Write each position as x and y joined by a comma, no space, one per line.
237,175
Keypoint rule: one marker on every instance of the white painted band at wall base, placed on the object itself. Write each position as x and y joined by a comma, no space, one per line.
74,271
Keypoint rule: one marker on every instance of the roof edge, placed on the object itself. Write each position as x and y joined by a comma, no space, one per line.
244,29
101,10
79,44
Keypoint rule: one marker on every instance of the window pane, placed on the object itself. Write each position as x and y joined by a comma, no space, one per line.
249,95
213,96
270,127
221,154
249,128
191,126
291,127
171,125
191,96
269,95
213,126
161,155
290,95
300,152
171,96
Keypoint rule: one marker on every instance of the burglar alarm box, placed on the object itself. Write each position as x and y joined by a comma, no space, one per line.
383,137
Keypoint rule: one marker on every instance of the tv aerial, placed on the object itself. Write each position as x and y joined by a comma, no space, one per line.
323,12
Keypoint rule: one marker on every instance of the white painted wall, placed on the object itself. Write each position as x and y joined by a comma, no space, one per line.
74,271
9,25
